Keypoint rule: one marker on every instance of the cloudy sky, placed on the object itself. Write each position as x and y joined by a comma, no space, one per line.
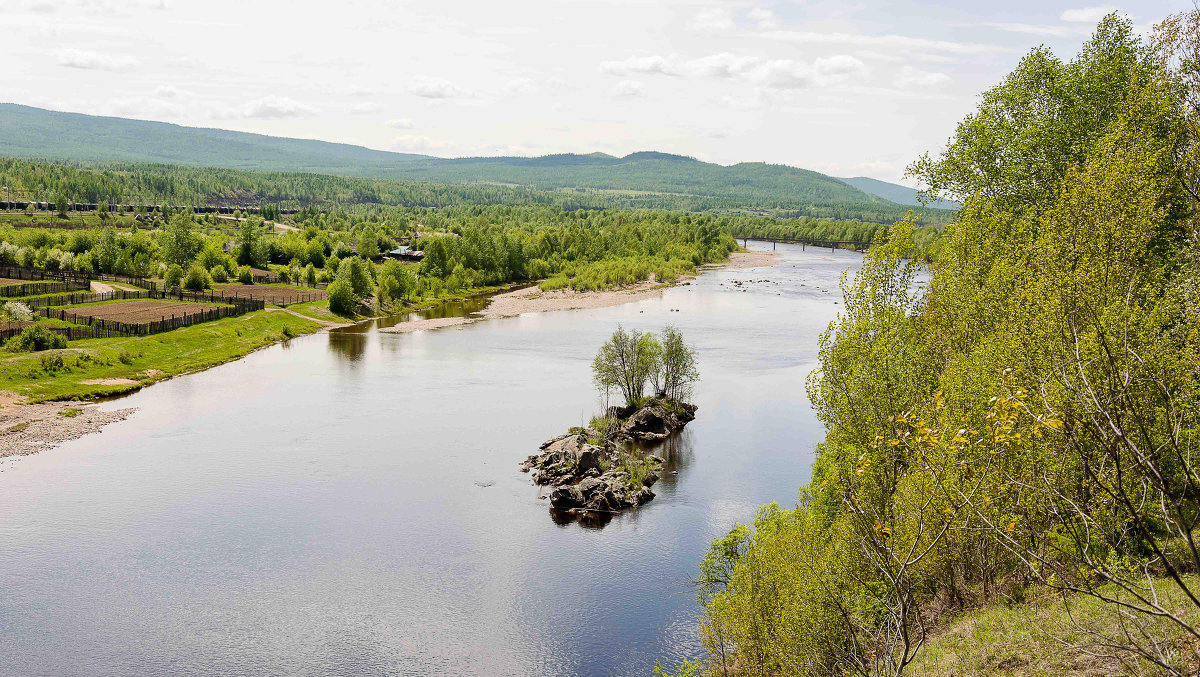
847,87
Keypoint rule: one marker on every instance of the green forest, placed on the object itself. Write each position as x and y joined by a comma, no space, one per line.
153,161
465,248
1008,484
150,184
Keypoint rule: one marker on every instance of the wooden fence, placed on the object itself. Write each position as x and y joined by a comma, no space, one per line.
142,328
42,274
247,304
284,300
126,279
16,291
41,281
72,333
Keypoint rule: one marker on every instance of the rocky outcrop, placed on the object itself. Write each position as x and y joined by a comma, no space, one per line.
657,420
592,472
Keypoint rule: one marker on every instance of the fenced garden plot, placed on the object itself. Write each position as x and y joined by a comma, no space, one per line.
141,317
126,279
277,296
26,274
248,304
18,281
123,318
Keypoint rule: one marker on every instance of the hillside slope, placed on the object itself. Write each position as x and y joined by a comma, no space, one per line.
34,133
894,192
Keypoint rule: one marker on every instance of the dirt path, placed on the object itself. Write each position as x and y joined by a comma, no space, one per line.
99,287
324,323
281,226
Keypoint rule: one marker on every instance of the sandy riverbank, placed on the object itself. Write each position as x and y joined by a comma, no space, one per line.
535,300
30,428
746,260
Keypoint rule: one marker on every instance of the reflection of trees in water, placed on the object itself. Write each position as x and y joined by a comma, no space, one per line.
348,346
677,454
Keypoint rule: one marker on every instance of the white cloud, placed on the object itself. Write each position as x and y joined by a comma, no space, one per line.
764,18
1088,15
87,60
712,20
723,65
645,65
888,41
364,107
144,108
416,143
519,86
400,123
1035,29
629,89
792,74
914,77
170,92
430,88
106,7
268,107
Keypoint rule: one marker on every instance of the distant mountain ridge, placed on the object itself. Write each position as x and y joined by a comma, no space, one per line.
34,133
895,192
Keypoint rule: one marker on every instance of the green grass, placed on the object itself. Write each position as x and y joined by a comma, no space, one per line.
1024,640
143,359
318,310
70,412
42,219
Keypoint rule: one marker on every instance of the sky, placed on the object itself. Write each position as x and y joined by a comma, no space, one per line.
849,88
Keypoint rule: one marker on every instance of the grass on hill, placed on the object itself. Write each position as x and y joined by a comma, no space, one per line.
141,360
1038,638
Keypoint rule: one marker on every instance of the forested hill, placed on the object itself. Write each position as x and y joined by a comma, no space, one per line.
649,179
894,192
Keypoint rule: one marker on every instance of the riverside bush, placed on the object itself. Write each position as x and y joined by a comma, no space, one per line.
341,298
35,338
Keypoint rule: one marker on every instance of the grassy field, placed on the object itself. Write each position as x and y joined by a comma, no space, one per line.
1032,638
99,367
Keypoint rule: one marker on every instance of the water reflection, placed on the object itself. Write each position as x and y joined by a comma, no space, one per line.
352,504
466,307
349,346
676,453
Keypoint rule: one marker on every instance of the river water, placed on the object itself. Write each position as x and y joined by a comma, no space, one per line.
350,504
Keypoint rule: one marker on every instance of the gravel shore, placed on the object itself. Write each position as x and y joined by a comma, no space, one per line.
30,428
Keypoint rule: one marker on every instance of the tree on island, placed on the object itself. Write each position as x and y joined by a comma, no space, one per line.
628,360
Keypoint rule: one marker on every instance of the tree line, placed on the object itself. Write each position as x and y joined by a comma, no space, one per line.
1025,427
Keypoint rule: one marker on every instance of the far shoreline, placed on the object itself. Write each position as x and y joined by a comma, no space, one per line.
30,428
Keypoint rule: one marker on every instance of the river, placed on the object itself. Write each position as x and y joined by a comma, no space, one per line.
349,503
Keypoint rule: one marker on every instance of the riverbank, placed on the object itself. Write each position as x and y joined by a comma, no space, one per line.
30,428
536,300
94,368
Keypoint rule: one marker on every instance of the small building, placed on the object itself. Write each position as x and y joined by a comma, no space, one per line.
405,253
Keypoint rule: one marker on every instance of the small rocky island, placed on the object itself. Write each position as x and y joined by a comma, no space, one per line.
607,466
598,471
